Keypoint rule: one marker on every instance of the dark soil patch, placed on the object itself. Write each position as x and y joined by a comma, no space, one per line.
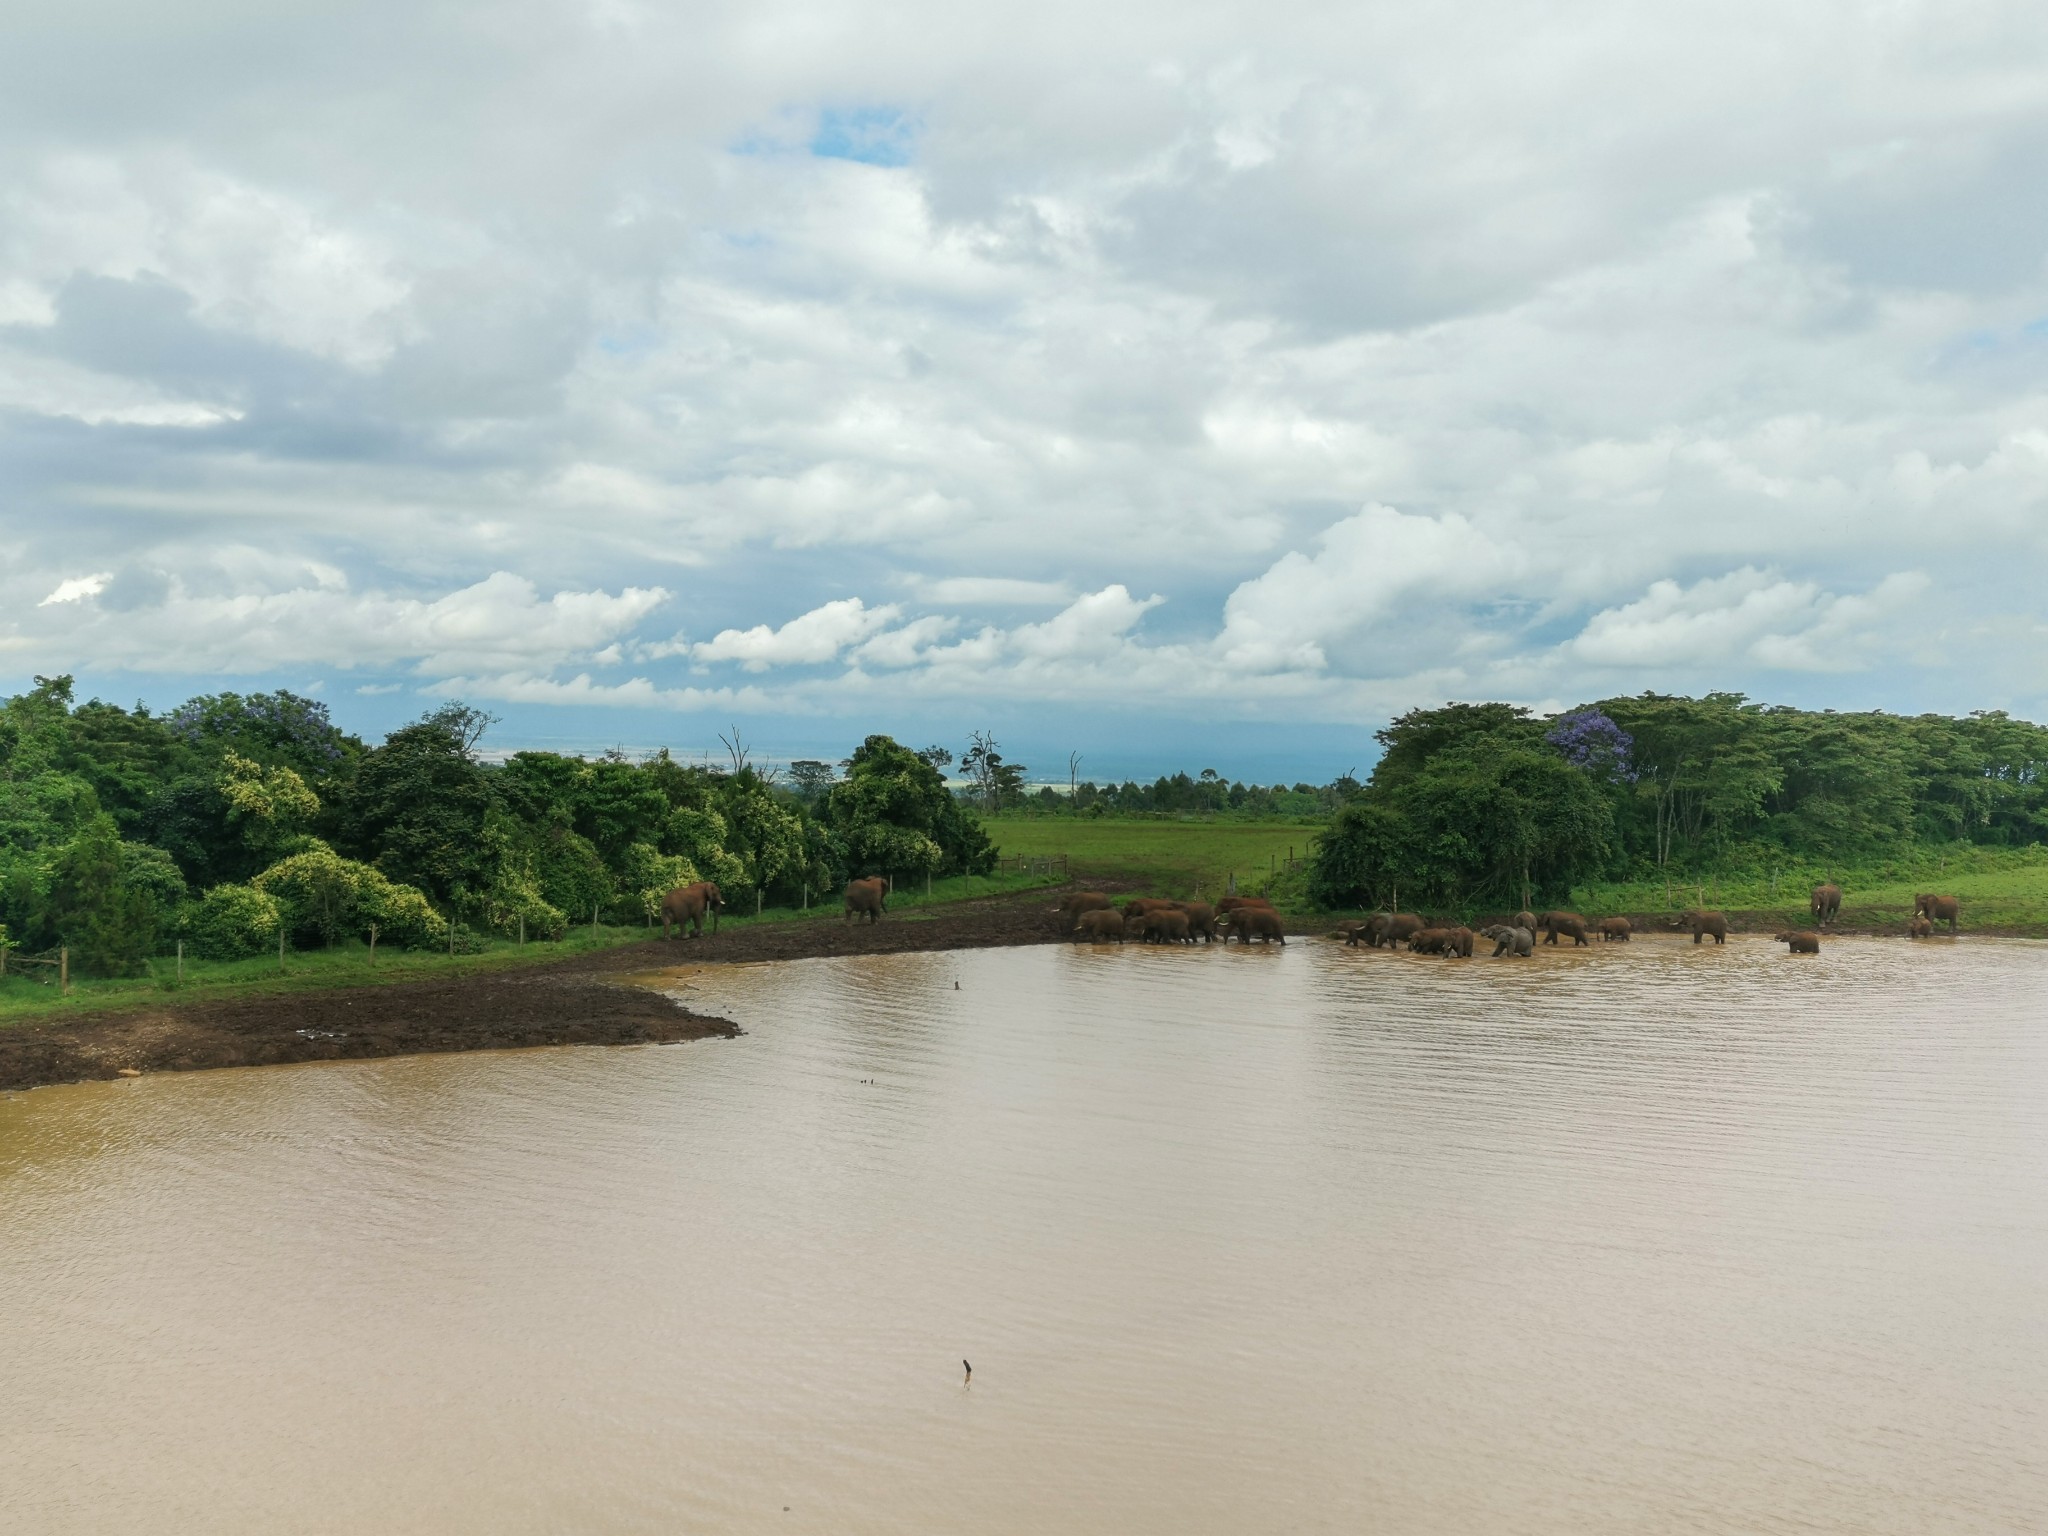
471,1013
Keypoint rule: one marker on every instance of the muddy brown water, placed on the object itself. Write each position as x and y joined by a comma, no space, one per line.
1636,1239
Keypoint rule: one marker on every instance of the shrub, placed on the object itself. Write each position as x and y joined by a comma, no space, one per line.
232,922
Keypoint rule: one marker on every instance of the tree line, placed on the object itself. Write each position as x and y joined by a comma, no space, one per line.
1475,805
235,819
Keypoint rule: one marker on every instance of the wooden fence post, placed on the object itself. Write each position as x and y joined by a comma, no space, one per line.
3,957
522,930
280,946
373,943
64,971
181,962
593,922
757,901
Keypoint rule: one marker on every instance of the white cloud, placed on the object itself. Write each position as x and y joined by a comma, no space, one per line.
1368,564
1746,615
78,587
817,636
501,621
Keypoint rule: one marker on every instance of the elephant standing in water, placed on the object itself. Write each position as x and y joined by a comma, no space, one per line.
1827,904
1702,924
1803,942
869,898
1510,941
686,905
1938,909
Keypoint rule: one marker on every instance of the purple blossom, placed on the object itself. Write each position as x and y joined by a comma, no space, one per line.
1589,740
280,719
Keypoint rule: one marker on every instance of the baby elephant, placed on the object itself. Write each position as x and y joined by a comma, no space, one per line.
1615,930
1803,941
1509,941
1919,928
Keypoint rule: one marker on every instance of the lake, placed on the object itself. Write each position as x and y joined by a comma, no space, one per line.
1638,1238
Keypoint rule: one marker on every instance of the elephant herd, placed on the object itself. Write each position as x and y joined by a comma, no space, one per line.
1092,917
1089,917
1516,935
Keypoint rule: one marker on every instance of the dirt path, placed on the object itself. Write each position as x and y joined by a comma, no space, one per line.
582,1001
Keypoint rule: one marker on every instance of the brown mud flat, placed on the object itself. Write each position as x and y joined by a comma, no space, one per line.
502,1011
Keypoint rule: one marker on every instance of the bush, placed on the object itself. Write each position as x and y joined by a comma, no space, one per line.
232,922
401,913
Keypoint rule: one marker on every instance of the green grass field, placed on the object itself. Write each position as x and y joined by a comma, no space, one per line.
1168,858
28,995
2000,888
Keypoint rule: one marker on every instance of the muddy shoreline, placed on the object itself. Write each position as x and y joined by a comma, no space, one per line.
581,1001
586,1000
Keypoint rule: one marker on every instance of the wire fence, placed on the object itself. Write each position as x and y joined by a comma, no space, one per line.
1032,864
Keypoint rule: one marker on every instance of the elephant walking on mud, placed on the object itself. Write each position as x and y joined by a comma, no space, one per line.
1938,909
686,905
1827,904
869,898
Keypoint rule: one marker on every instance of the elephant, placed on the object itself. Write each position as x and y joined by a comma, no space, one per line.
1919,928
1570,924
1522,920
1803,941
1201,920
1229,904
1510,941
1164,925
1352,930
869,897
1075,903
1457,943
1138,906
1702,924
686,905
1827,904
1262,921
1428,941
1098,925
1615,930
1397,927
1938,909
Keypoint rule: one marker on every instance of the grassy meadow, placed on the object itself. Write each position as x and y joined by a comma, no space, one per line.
1164,857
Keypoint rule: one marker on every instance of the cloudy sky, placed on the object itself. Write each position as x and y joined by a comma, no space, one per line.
1138,377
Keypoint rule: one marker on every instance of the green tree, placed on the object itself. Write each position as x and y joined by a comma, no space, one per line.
892,814
108,923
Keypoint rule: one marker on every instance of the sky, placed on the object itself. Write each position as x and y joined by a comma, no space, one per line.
1187,385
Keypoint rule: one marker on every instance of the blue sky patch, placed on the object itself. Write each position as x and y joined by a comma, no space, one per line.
871,135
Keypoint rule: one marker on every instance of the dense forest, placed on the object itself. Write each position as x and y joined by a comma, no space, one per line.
1487,804
234,818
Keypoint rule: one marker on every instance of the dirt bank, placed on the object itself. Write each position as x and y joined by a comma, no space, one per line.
582,1001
